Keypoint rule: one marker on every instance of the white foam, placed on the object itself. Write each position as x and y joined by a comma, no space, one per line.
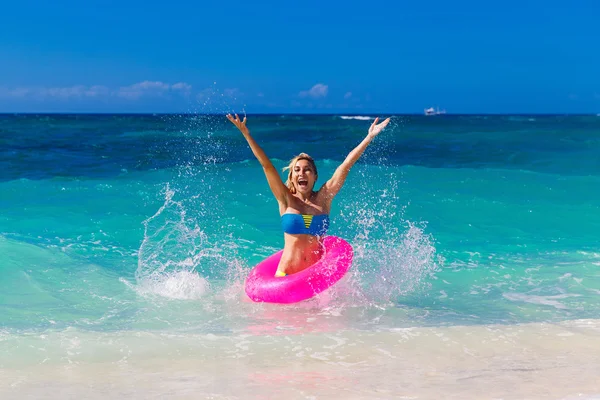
182,285
542,300
357,117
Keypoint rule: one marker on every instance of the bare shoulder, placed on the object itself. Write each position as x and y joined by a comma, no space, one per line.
323,199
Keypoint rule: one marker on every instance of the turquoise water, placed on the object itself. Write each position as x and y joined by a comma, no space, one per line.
125,241
117,222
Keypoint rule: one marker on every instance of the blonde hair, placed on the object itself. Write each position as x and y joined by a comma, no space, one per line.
293,161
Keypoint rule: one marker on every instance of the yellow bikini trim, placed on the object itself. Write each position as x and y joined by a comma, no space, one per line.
307,220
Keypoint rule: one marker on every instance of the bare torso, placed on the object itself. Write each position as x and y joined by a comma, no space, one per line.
301,251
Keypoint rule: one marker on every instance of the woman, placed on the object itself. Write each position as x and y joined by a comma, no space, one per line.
304,212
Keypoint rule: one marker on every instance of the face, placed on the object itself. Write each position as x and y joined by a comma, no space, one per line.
303,176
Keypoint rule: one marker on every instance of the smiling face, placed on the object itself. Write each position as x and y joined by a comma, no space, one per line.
304,176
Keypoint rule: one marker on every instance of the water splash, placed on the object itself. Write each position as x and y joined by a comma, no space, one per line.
398,266
394,257
176,256
170,252
181,285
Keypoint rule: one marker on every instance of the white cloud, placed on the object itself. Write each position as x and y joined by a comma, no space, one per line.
97,91
76,91
62,93
14,93
150,85
151,88
132,92
182,87
319,90
348,95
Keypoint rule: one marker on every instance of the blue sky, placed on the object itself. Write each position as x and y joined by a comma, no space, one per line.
300,57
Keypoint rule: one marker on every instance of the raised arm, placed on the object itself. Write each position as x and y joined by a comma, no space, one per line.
333,185
280,191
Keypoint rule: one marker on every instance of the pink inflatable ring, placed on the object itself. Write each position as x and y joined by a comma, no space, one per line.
262,286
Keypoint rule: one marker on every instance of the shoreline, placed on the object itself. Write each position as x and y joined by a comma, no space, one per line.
542,360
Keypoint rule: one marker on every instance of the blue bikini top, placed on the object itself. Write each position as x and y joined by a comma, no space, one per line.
302,224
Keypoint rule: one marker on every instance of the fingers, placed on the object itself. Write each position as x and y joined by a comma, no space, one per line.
236,120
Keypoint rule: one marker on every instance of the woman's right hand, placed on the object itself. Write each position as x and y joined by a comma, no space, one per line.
376,128
240,124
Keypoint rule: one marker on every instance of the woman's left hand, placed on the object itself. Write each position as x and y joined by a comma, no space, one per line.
376,128
239,123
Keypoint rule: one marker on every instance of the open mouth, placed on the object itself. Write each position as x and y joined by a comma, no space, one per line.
303,183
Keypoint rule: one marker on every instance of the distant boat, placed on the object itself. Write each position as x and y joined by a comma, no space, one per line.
432,111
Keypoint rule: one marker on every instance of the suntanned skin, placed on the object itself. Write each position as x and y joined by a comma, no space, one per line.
301,251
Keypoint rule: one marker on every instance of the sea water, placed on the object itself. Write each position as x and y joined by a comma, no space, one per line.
125,241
